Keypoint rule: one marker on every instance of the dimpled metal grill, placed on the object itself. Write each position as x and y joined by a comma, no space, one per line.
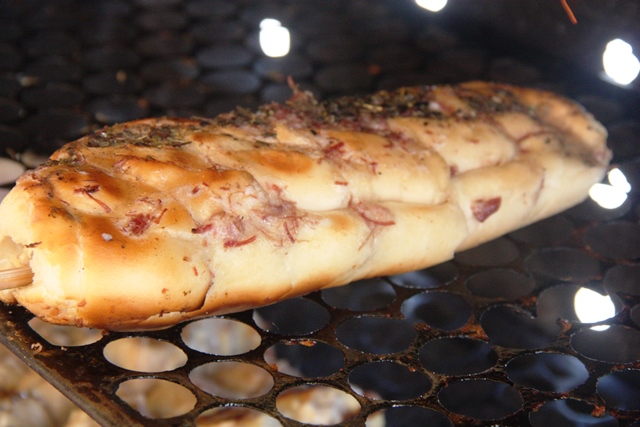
489,338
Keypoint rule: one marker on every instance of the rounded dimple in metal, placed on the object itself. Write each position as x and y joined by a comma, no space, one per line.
307,359
442,310
615,240
457,356
389,380
363,295
547,371
376,335
511,326
500,283
290,317
617,344
168,399
495,253
232,380
557,302
429,278
570,413
220,336
481,399
621,389
563,264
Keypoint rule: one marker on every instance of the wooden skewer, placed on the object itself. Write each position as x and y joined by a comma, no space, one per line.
15,277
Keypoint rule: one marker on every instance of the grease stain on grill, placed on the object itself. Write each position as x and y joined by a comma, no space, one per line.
65,336
142,354
618,344
498,252
155,398
621,389
307,359
563,264
376,335
389,380
234,415
615,240
442,310
232,380
429,278
481,399
500,283
220,336
569,413
412,416
457,356
553,372
292,317
363,295
332,406
511,326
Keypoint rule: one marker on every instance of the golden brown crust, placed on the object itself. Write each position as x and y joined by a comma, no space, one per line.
148,223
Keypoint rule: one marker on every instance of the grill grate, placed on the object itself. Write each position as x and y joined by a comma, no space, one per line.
431,339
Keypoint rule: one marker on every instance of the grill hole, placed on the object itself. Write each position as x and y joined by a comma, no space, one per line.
376,335
429,278
457,356
547,372
411,416
442,310
481,399
308,359
66,336
361,296
389,380
500,283
222,337
291,317
144,355
564,264
234,416
495,253
232,380
317,405
618,344
511,326
569,413
155,398
621,389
